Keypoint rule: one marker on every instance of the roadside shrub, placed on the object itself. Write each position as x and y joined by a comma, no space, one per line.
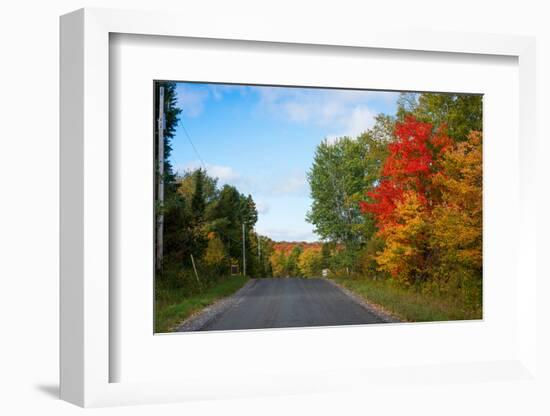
367,258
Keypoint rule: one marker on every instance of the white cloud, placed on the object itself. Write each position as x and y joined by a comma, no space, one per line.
288,234
344,112
190,100
262,207
219,90
223,173
293,184
360,119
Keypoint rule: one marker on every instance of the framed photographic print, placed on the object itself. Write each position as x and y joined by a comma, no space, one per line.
333,203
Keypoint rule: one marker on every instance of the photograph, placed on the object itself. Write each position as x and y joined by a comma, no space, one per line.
297,206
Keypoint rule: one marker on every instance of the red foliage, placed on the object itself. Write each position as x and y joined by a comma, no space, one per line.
410,165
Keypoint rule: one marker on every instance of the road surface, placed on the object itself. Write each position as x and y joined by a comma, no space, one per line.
291,302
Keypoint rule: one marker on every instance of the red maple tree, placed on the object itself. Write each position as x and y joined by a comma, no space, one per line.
410,166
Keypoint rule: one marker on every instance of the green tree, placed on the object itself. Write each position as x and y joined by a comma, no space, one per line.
292,267
341,173
187,184
249,213
335,176
227,216
325,255
215,255
265,252
198,201
182,238
460,113
225,219
172,116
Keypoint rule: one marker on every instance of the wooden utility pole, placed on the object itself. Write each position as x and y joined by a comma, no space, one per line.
244,252
160,186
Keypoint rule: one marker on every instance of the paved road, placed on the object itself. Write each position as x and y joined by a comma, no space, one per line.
292,302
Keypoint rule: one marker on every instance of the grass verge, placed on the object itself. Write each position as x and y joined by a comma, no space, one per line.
410,304
175,305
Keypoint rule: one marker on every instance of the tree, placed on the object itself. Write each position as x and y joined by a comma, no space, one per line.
215,255
278,263
285,258
341,172
187,184
310,262
182,238
460,113
405,255
428,207
174,209
225,219
411,164
261,255
368,257
457,221
198,201
292,268
325,255
249,213
172,116
405,197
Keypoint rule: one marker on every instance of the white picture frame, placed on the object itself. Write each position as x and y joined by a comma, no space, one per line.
86,356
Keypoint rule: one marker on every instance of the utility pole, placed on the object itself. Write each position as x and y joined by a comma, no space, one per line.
160,188
244,252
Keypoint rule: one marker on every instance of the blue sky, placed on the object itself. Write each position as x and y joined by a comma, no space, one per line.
262,140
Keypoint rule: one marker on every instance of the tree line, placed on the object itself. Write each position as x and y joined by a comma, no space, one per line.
203,221
299,259
403,200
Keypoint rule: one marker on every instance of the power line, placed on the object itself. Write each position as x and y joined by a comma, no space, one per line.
192,145
204,166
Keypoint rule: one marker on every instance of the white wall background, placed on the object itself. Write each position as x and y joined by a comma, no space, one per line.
29,116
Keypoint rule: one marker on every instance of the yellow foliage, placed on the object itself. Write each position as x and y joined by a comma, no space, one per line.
458,220
404,253
440,240
310,262
278,263
215,251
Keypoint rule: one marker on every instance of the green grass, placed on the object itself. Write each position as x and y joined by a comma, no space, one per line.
411,304
172,306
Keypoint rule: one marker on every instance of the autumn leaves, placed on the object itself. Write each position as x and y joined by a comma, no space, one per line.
428,208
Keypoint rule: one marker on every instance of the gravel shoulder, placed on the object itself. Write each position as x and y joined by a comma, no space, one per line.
209,314
384,315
